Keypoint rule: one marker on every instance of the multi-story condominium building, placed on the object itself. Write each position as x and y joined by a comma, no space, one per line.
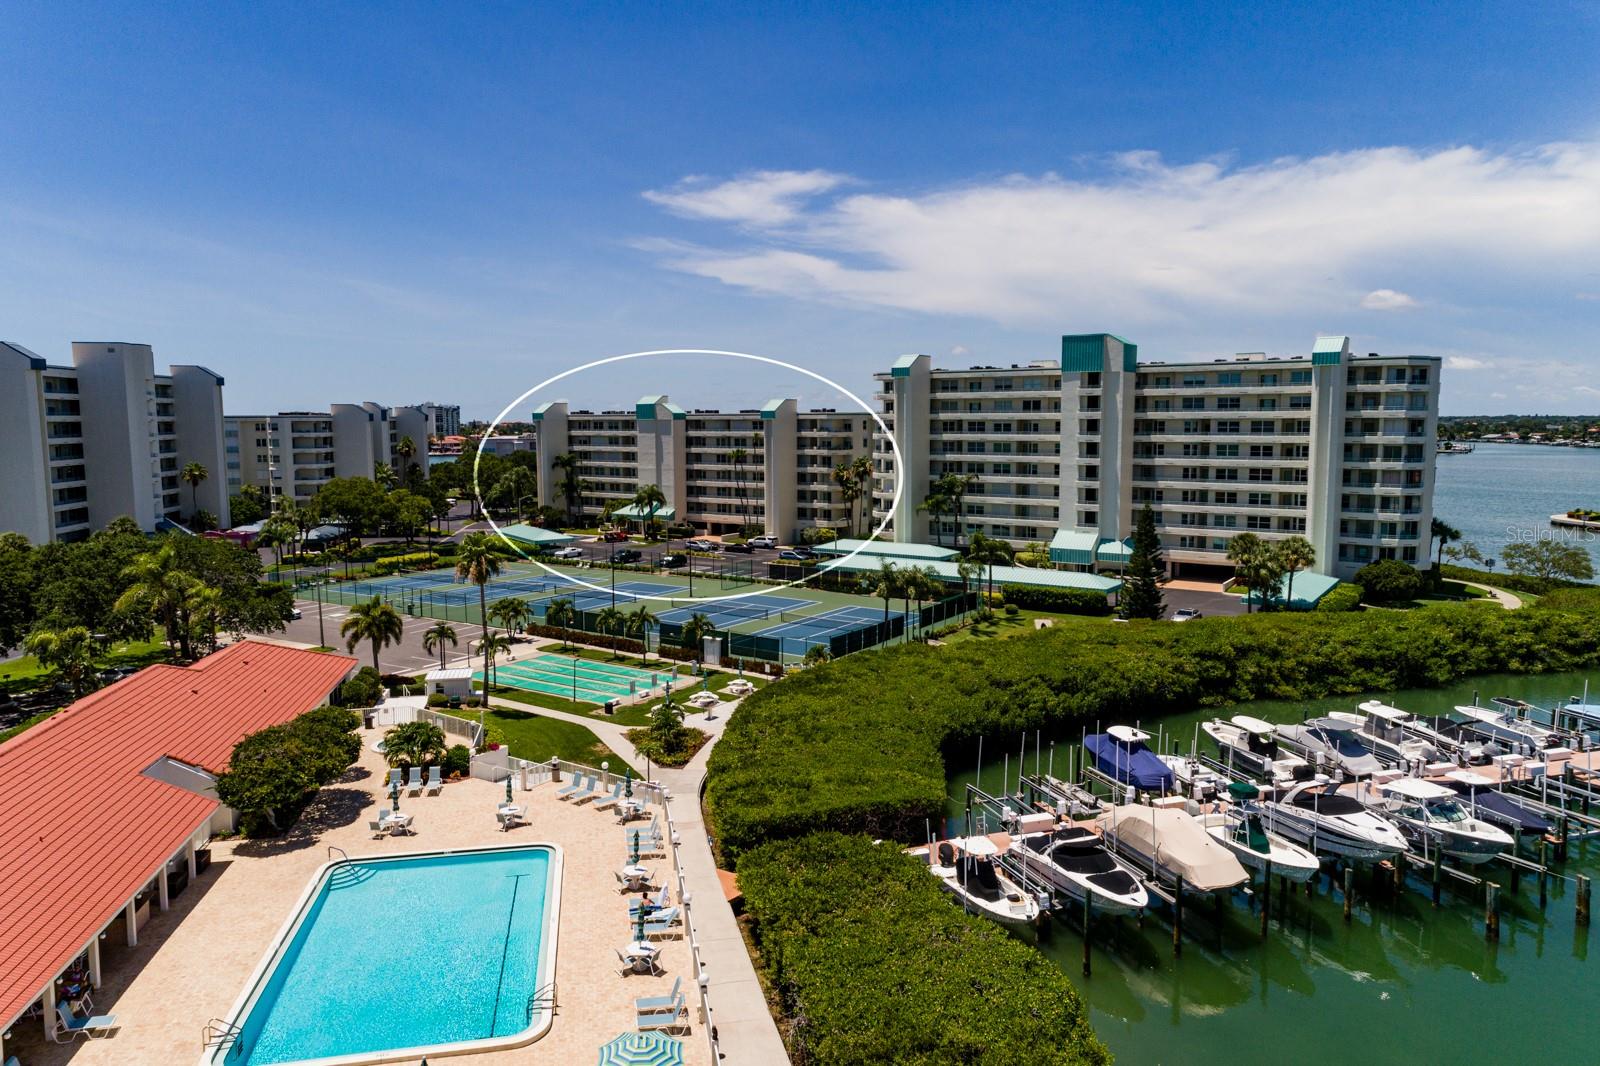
720,471
444,419
297,452
1330,445
105,437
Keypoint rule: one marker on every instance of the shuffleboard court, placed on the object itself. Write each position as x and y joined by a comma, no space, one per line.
576,677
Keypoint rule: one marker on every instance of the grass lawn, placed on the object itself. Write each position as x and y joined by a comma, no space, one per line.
1451,592
1006,625
537,738
20,675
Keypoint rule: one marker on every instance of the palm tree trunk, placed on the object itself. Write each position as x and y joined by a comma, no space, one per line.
375,668
483,618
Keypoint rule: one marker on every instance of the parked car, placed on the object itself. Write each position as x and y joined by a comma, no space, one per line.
570,552
1186,614
627,555
741,548
674,559
614,535
698,545
766,540
294,613
795,555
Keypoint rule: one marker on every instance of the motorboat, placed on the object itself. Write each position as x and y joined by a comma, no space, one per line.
1508,723
1580,713
1433,817
1068,800
1242,828
1250,746
968,868
1459,742
1330,742
1380,729
1314,815
1164,844
1194,778
1486,802
1123,754
1074,861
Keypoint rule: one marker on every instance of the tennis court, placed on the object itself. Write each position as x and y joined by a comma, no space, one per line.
795,635
744,609
576,678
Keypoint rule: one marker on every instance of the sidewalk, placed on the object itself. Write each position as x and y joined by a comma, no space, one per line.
1501,596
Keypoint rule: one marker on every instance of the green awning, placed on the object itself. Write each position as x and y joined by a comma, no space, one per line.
1309,587
666,514
536,536
1073,546
1115,552
946,570
886,549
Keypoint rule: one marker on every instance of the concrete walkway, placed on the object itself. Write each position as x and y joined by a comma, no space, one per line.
1501,596
746,1033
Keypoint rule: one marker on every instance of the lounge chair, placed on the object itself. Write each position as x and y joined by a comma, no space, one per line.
396,779
414,782
655,903
653,928
74,1027
673,1017
664,916
649,1004
588,790
575,786
610,800
435,780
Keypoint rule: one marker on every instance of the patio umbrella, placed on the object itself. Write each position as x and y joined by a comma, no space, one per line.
627,781
638,926
394,795
508,786
633,848
642,1049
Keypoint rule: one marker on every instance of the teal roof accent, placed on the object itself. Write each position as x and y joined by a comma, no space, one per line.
1329,351
945,570
902,366
1074,546
771,407
886,549
1083,353
535,536
1309,587
678,413
1130,354
1114,551
666,514
540,411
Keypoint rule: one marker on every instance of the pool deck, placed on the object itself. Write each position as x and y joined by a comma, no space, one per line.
192,961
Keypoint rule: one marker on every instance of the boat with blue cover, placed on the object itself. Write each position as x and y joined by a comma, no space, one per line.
1123,754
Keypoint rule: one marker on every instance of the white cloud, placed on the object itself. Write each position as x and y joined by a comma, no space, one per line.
1587,295
960,351
1155,242
761,198
1466,362
1387,300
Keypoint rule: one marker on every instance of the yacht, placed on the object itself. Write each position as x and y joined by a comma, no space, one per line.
1432,816
1330,742
1506,723
1250,745
1313,815
1381,729
1123,754
1074,861
1243,829
1170,844
1484,801
1194,778
967,868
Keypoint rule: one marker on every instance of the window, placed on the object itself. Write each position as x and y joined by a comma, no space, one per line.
1269,379
1257,522
1259,499
1300,377
1194,403
1227,451
1227,403
1300,402
1228,498
1194,381
1228,426
1261,451
1268,403
1230,377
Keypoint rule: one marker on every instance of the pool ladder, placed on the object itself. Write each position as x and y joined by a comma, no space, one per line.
218,1033
544,996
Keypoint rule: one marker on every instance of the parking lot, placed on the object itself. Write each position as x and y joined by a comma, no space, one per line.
1205,597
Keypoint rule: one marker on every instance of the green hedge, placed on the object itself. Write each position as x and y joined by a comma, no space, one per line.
1536,586
856,744
1060,601
872,964
1342,597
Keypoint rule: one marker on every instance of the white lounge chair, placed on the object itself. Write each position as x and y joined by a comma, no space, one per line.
396,779
414,782
378,828
654,929
435,780
74,1027
673,1016
651,1004
589,790
610,800
654,903
572,788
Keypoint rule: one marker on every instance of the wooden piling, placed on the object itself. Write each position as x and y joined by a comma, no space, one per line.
1266,899
1438,874
1088,906
1177,919
1583,900
1491,911
1544,875
1398,868
1349,889
1562,836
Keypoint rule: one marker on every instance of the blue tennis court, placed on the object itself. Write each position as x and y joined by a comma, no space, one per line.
798,634
732,612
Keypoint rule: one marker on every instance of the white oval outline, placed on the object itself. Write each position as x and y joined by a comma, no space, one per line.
894,503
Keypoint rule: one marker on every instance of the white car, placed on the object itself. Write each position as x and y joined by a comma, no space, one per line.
294,613
568,553
1186,614
766,540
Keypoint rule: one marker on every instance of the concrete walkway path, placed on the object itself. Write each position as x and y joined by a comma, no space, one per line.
1501,596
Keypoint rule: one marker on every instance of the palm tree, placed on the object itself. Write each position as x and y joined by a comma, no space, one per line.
917,583
405,450
413,744
493,645
510,613
157,585
969,570
205,613
935,503
1295,554
849,490
737,457
1244,552
955,487
696,630
384,475
571,484
988,551
611,622
516,485
436,636
1443,533
374,621
647,501
69,652
886,584
478,562
193,473
861,470
640,619
561,614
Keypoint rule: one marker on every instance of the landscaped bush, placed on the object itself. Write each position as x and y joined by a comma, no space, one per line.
274,772
855,744
872,964
1536,586
457,761
1057,601
1388,581
438,699
395,563
362,690
1342,597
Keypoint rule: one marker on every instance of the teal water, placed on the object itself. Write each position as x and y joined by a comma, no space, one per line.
1505,492
406,953
1401,983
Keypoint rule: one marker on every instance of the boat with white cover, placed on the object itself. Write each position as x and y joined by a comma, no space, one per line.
1243,829
1380,729
966,867
1506,725
1075,862
1164,844
1250,746
1332,743
1315,816
1433,816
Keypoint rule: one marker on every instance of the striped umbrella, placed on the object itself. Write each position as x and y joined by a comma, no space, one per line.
642,1049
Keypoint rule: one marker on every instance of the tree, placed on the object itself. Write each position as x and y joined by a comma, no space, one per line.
936,503
849,491
1294,555
494,645
69,652
1443,534
917,583
247,506
17,585
1465,552
267,774
737,457
988,551
436,636
408,513
611,622
816,655
193,474
1388,581
1247,553
954,487
383,476
205,614
156,584
562,614
413,744
886,584
861,470
1549,560
513,487
373,621
571,485
510,613
647,501
667,731
1141,584
357,503
405,450
696,630
640,619
478,562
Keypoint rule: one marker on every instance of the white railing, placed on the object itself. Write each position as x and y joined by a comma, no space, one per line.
684,899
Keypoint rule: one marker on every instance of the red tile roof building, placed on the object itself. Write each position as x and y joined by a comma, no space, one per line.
83,828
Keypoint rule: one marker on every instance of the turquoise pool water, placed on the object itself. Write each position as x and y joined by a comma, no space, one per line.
405,953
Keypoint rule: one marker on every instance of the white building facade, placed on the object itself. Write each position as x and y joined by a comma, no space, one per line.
1331,446
295,453
106,437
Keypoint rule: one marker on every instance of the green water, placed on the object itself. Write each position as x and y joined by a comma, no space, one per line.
1400,983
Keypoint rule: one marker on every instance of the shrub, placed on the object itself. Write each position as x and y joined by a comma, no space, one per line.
363,689
1342,597
438,699
1011,610
1058,601
1388,581
918,981
457,761
273,772
1536,586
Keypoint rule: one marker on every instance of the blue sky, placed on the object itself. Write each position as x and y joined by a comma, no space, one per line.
407,202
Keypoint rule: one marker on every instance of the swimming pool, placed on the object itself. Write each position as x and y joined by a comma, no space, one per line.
393,958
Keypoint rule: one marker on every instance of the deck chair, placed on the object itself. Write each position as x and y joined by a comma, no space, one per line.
650,1004
675,1015
573,787
435,780
611,799
414,782
378,828
396,779
627,967
588,791
653,903
655,929
74,1027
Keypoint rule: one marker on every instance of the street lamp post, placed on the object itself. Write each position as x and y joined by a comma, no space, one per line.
574,677
524,496
322,633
